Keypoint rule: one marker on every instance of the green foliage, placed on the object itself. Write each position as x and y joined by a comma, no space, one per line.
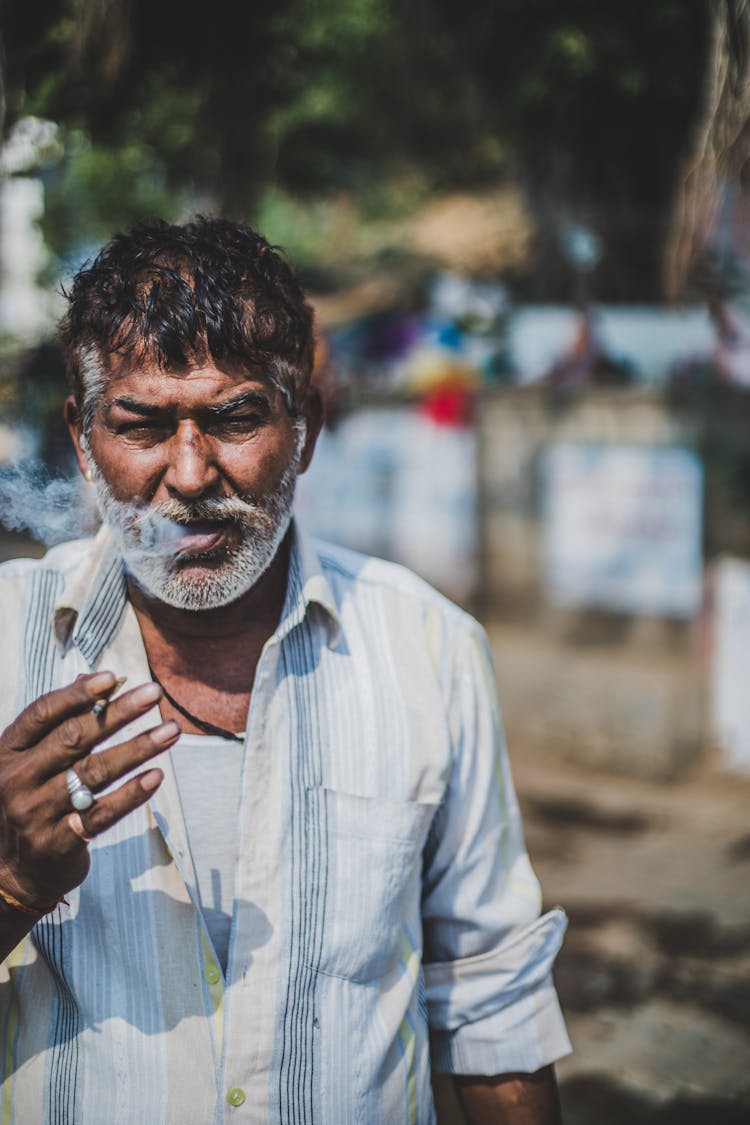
98,189
591,102
337,235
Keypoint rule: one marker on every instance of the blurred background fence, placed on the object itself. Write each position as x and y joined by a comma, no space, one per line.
594,532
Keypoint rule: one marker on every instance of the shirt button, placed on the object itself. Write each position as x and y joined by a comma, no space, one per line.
236,1096
212,974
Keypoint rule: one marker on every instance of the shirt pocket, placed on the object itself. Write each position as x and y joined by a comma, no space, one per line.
365,861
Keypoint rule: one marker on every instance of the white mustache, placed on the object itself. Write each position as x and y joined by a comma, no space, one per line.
160,527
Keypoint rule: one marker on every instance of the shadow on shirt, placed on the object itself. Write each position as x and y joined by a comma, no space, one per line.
127,954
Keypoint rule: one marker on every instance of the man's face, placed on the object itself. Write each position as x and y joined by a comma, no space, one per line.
195,473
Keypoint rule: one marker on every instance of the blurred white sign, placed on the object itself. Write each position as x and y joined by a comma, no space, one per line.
391,482
622,528
730,699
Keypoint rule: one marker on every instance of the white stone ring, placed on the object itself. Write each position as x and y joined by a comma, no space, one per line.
81,797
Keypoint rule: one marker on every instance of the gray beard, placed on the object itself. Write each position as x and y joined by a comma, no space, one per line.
148,537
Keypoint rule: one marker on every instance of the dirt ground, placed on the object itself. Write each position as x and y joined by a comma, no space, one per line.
654,976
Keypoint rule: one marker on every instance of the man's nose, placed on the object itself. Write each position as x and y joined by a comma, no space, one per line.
191,469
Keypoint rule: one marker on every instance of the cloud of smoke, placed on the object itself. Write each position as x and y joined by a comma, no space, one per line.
51,509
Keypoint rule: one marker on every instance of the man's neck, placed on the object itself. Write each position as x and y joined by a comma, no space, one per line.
206,659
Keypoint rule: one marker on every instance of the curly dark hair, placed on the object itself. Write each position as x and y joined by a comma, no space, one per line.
177,295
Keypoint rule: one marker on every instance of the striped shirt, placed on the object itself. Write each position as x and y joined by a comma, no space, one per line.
385,912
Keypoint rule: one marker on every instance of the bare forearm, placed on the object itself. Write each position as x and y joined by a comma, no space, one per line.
13,929
510,1099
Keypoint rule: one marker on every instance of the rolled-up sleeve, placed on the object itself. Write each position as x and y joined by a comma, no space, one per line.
488,954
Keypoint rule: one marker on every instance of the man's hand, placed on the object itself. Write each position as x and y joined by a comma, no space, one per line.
43,854
510,1099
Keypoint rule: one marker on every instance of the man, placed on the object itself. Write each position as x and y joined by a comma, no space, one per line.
324,878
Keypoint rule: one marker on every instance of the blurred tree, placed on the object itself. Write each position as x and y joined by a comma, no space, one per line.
717,170
196,86
594,104
589,103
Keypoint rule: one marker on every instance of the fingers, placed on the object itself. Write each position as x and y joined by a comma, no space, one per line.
108,810
98,771
45,714
75,824
33,810
77,736
42,838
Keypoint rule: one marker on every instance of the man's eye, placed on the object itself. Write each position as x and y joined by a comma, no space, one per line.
241,423
150,429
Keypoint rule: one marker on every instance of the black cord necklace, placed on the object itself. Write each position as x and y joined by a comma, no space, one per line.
207,728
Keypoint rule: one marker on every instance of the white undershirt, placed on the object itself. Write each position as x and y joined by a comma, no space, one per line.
208,771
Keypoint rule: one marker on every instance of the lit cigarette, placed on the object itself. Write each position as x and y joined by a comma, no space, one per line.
100,704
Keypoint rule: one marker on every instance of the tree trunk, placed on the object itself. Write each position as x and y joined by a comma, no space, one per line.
720,158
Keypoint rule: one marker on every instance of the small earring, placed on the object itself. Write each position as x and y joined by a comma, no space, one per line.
88,477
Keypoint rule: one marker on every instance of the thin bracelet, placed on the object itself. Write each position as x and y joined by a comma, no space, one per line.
34,911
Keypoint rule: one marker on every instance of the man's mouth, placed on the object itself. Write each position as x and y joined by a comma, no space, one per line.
201,537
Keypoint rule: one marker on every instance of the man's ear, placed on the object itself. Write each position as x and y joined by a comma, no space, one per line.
73,422
313,413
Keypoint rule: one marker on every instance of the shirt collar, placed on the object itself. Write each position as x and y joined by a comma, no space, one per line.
307,586
94,598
